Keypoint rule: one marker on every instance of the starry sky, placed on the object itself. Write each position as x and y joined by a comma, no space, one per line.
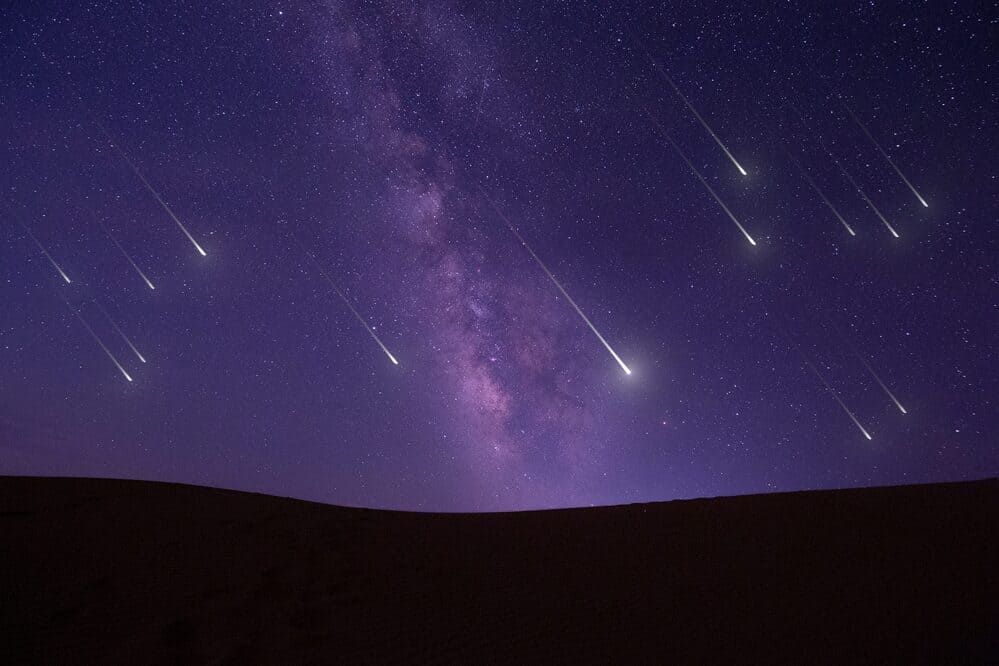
392,141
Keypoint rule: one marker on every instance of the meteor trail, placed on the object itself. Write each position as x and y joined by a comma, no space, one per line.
826,384
863,195
690,106
98,340
884,154
866,199
551,277
115,326
155,194
862,126
880,383
833,393
821,194
873,374
699,176
44,252
343,297
870,137
118,245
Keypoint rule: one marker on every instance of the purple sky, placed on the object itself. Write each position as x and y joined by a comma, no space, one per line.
366,130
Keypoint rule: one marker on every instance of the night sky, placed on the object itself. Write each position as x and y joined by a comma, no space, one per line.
376,134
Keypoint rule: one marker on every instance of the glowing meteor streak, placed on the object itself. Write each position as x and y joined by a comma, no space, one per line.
118,245
870,137
343,297
45,252
867,365
885,155
833,393
863,195
155,194
98,340
120,332
551,277
704,124
881,384
821,194
867,200
699,177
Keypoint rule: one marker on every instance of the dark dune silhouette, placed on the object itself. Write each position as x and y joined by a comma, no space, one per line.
111,571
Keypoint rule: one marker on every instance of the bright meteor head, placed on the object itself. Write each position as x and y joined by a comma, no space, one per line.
554,281
697,173
343,297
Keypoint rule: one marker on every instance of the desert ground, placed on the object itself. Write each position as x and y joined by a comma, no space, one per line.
110,571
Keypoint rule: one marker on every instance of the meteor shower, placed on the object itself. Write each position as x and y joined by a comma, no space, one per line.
443,257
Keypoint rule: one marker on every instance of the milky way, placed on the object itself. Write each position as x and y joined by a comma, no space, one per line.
366,129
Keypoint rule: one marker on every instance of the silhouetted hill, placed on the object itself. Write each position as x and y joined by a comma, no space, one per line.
106,571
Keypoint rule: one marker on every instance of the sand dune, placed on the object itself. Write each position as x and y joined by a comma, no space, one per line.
106,571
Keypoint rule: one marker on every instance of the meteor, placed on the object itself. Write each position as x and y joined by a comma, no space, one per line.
867,132
867,200
700,177
44,252
704,124
833,393
826,384
863,195
115,326
880,383
821,194
551,277
873,374
155,194
98,340
118,245
343,297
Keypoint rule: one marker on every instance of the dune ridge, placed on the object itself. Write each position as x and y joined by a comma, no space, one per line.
110,571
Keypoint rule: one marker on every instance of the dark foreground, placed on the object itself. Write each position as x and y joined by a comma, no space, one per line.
133,572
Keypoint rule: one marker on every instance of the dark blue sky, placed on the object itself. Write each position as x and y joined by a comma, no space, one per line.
366,131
